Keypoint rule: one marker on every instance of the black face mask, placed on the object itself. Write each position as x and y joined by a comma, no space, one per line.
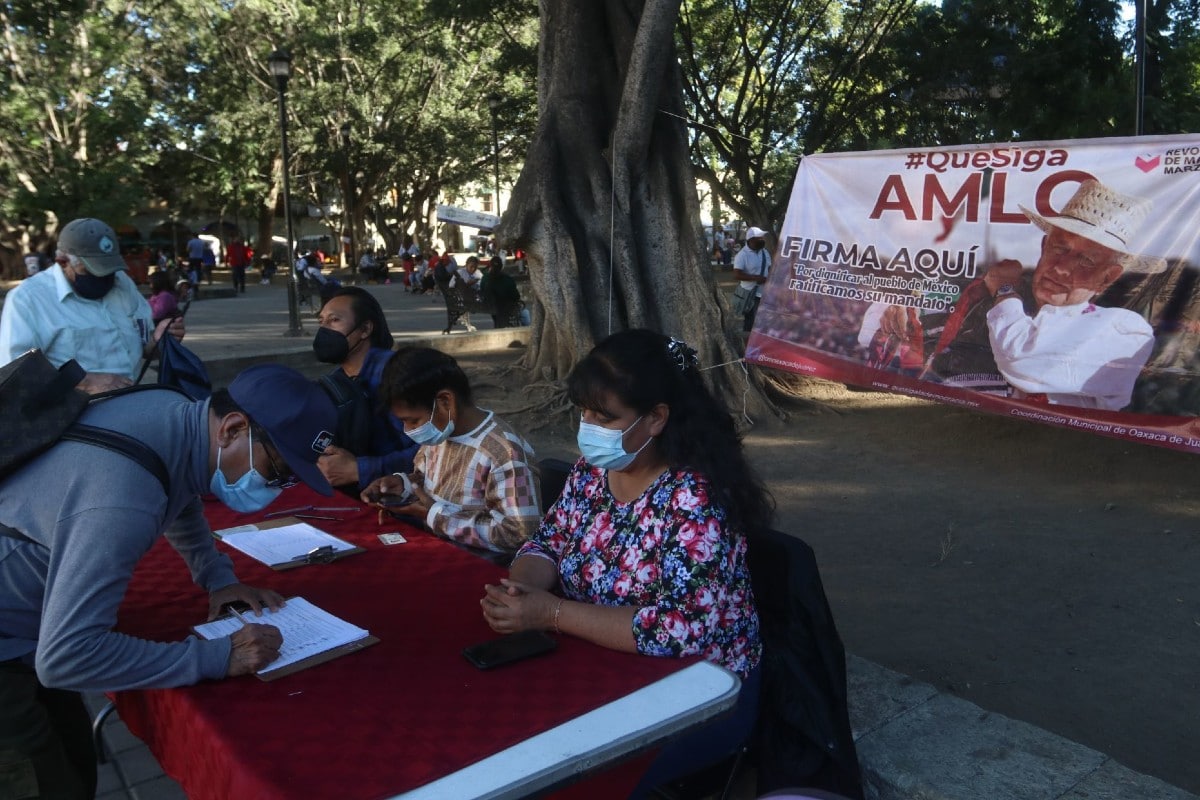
93,287
331,346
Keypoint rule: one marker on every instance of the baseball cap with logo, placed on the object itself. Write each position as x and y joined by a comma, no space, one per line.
295,412
94,243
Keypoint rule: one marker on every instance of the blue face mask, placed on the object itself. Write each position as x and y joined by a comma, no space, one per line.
430,434
604,447
250,493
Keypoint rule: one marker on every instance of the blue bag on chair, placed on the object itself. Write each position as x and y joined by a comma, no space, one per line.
182,369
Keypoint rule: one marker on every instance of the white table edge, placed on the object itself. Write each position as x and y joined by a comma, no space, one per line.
681,700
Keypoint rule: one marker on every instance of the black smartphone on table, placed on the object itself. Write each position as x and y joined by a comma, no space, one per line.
510,648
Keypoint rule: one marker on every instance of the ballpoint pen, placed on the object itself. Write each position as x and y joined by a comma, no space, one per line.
312,516
310,508
318,555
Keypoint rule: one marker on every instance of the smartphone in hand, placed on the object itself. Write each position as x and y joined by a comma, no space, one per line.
390,499
510,648
406,495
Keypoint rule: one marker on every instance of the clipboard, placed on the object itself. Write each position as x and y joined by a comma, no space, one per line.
311,557
298,665
319,658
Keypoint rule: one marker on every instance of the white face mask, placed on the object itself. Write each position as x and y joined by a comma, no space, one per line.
430,434
605,447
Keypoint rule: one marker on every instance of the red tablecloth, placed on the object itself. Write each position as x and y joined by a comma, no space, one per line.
376,722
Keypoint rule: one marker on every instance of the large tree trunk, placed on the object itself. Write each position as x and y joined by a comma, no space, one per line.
606,206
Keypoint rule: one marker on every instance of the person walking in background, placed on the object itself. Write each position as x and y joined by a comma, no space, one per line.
208,261
196,248
237,256
751,266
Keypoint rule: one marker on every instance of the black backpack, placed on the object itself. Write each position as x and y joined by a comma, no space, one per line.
39,406
354,411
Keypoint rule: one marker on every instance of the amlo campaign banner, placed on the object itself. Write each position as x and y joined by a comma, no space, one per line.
1057,282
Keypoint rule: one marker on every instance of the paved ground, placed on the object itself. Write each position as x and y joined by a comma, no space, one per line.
914,740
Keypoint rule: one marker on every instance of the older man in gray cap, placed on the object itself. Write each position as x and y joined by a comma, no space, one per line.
84,308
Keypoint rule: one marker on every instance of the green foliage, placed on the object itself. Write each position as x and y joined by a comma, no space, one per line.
770,80
71,107
108,108
766,81
988,70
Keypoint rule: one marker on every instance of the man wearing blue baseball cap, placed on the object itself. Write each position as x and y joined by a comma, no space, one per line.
74,522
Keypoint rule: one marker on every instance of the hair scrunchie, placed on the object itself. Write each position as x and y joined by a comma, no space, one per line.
682,354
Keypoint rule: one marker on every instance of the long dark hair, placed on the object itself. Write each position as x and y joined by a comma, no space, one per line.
366,308
642,368
160,282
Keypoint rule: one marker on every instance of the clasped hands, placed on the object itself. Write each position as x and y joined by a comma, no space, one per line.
512,606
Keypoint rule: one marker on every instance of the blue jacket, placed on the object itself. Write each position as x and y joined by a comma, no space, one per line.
391,450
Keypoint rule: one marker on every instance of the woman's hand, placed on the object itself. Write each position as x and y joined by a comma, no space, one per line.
512,607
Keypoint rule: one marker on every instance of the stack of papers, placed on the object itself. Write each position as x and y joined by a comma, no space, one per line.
307,630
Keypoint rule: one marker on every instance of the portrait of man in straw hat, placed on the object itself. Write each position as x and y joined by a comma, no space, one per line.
1045,337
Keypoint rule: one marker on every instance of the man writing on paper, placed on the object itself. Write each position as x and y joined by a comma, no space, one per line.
76,519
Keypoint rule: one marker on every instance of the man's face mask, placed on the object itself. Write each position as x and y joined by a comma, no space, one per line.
330,346
250,492
93,287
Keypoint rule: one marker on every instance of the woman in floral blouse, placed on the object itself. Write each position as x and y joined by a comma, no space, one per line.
644,550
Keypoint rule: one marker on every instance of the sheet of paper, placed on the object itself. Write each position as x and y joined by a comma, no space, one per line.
307,630
274,546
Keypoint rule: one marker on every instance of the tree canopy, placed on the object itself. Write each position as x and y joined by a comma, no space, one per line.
108,106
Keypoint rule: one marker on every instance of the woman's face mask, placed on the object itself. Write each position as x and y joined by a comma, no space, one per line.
605,447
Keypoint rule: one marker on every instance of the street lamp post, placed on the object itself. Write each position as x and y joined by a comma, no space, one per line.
493,101
351,194
281,67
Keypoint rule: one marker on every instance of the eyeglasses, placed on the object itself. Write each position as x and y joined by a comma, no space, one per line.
281,479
